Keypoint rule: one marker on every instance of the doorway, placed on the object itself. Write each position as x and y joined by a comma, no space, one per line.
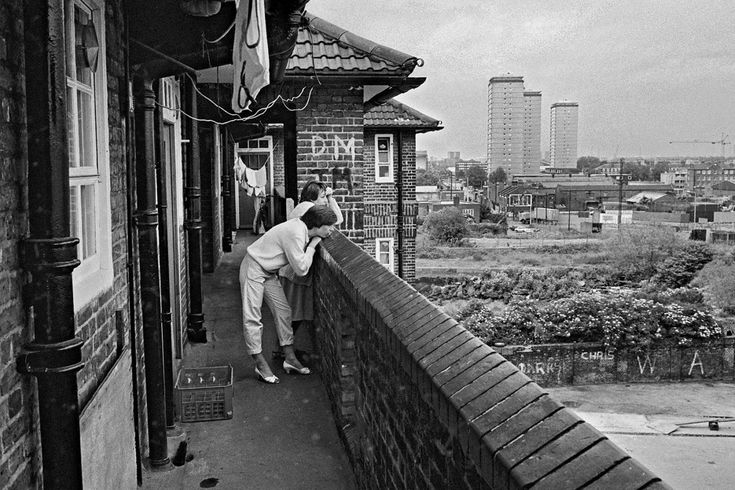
254,191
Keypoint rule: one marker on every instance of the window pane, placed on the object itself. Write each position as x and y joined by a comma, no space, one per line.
87,130
383,171
383,157
89,222
384,247
74,210
71,129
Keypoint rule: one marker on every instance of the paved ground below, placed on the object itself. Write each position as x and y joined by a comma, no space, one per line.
665,427
280,436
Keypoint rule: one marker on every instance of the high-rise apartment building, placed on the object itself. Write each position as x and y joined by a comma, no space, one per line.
514,123
531,132
563,135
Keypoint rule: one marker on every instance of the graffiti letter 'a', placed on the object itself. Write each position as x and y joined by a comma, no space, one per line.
696,361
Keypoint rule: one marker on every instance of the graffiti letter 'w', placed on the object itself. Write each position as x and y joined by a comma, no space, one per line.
642,367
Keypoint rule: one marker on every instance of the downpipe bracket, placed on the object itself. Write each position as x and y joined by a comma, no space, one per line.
55,358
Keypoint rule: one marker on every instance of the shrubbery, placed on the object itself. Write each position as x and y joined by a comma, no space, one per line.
681,267
447,226
539,284
488,229
717,280
617,319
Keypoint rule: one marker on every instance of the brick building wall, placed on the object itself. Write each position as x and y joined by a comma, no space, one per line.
422,403
19,451
330,148
104,322
381,200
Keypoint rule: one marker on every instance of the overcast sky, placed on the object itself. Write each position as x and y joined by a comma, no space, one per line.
643,72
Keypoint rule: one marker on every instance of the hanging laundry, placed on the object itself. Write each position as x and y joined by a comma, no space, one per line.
249,53
250,177
261,177
239,169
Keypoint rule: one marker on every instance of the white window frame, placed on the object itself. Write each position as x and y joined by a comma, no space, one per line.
391,252
388,178
95,273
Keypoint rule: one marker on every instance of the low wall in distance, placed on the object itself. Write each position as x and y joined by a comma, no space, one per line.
589,363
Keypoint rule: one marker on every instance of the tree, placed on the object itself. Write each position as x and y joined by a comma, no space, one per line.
587,163
476,177
427,177
447,226
658,169
498,175
637,171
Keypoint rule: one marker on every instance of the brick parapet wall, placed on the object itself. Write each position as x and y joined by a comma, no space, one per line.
422,403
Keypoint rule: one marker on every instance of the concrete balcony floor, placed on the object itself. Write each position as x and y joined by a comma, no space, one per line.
280,436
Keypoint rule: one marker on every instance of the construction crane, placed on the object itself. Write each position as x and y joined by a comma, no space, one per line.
723,141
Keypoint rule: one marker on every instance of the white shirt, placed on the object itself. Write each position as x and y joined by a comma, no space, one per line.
284,244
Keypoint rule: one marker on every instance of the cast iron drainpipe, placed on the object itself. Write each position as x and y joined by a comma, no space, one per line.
49,253
146,220
162,173
196,332
399,217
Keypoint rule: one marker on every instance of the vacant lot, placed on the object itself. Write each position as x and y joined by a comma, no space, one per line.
549,247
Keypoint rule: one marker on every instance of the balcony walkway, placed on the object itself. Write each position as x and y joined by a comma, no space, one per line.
280,436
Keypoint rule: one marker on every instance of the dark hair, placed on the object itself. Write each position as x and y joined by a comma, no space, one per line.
317,216
311,190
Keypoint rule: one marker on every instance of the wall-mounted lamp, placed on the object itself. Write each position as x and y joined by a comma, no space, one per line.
90,45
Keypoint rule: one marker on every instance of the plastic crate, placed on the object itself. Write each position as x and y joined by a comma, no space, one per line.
204,393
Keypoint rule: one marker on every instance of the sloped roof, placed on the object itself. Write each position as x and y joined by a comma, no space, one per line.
651,196
393,114
724,186
324,47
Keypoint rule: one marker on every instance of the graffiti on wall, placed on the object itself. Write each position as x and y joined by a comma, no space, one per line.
338,175
336,146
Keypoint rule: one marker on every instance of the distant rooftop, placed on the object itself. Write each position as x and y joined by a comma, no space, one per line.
565,104
509,78
393,114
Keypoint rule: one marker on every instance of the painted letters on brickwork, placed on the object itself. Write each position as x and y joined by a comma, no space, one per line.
335,148
696,361
647,362
320,145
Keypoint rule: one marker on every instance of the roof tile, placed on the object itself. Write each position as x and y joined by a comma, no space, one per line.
325,47
393,114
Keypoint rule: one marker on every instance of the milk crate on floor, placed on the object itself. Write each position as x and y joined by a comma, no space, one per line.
204,393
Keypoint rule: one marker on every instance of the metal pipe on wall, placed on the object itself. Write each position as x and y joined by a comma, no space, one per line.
163,248
146,220
50,254
196,332
228,215
400,215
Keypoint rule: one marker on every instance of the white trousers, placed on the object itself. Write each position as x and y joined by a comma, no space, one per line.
257,284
